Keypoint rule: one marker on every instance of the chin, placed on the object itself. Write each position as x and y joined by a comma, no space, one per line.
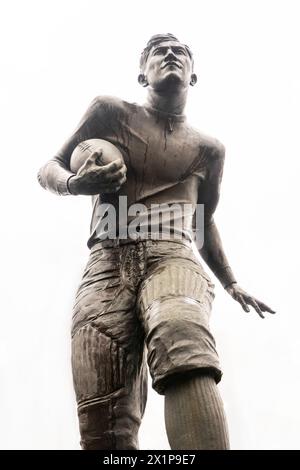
172,80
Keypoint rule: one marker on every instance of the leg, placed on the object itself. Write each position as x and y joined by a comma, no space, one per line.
194,413
175,303
110,389
108,364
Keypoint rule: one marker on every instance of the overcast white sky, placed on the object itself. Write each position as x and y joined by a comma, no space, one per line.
56,56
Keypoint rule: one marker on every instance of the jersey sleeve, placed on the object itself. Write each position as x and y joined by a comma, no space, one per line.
211,170
54,175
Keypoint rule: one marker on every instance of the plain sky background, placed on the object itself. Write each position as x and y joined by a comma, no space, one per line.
56,56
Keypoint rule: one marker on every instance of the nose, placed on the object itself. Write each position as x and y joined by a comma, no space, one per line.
170,54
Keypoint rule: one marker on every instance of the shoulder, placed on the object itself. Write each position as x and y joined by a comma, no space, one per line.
107,103
208,145
111,109
211,154
213,146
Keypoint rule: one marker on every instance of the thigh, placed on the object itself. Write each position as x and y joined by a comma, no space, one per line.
108,363
175,302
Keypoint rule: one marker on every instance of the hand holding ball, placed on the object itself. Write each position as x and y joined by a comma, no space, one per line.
99,168
106,151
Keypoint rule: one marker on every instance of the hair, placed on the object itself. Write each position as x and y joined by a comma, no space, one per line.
157,39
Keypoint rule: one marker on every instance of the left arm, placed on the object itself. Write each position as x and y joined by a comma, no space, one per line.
212,250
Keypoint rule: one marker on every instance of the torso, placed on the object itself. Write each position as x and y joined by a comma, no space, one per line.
166,159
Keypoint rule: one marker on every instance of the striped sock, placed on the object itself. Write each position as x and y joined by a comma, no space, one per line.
194,414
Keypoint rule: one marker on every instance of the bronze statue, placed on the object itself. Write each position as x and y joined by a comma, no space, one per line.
151,291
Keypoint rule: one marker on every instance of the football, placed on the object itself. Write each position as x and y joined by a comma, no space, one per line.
107,153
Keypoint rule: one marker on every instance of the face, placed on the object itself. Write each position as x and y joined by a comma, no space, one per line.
168,65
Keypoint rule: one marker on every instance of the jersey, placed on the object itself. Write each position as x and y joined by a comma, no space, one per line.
168,163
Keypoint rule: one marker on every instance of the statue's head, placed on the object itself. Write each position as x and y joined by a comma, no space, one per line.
166,62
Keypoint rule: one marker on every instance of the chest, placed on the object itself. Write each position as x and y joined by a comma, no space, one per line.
156,150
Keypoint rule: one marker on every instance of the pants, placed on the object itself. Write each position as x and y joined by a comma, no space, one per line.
151,293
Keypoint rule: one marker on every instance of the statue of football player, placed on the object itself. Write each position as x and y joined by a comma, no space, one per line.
148,299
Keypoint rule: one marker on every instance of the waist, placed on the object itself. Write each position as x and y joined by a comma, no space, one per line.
138,222
118,242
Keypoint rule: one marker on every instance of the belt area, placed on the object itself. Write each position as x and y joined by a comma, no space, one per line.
114,243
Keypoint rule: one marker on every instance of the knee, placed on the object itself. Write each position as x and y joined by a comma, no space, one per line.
183,380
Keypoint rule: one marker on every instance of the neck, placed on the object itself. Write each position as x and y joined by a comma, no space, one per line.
173,103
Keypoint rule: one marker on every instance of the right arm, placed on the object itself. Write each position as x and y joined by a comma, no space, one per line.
56,176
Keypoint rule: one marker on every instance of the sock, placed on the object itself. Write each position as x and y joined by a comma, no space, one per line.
194,414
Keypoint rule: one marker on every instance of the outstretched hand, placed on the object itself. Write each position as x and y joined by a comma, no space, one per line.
238,294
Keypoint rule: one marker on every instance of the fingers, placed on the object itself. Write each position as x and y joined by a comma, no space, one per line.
258,306
241,300
112,167
95,159
119,174
122,181
114,172
264,307
254,304
244,301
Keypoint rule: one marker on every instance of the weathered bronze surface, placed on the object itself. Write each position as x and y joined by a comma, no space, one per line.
148,291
